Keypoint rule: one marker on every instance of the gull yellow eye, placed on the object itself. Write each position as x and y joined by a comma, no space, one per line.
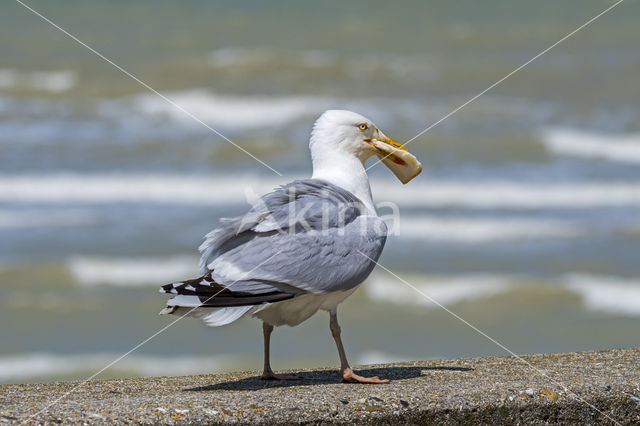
362,126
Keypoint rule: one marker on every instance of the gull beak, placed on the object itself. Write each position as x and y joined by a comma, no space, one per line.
396,157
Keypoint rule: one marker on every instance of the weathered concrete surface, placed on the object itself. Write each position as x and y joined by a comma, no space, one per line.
579,388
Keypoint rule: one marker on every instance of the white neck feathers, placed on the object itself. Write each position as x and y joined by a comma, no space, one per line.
346,171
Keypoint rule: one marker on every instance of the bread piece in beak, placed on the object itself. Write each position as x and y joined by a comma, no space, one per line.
395,156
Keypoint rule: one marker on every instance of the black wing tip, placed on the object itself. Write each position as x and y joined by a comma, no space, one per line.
215,295
182,286
170,288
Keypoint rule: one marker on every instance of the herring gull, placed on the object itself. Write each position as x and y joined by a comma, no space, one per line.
304,247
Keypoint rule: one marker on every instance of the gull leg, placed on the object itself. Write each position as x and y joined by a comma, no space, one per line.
267,373
347,373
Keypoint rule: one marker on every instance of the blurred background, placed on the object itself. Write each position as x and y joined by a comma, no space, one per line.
525,221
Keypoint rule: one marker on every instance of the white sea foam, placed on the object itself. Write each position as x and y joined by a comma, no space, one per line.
131,272
70,188
241,113
31,366
52,81
49,81
613,295
231,111
608,294
217,190
446,291
517,195
623,148
479,230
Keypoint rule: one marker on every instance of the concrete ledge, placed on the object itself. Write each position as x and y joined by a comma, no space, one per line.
584,388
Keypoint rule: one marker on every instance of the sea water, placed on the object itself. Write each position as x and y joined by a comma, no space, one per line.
524,222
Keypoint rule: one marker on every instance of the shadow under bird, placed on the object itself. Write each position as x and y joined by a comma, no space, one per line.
304,247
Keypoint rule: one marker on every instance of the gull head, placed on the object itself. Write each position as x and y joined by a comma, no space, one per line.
340,136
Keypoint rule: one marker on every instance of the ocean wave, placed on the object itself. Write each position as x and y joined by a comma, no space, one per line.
613,147
46,218
137,272
243,113
479,230
261,60
607,294
131,272
31,366
612,295
169,189
142,117
147,116
445,290
48,81
230,112
148,271
212,190
513,195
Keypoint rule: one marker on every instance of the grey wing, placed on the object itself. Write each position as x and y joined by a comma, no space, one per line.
308,236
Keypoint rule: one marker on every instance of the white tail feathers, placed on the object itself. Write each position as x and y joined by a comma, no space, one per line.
225,315
211,316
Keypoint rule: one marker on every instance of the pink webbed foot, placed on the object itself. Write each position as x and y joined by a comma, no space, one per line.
348,376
